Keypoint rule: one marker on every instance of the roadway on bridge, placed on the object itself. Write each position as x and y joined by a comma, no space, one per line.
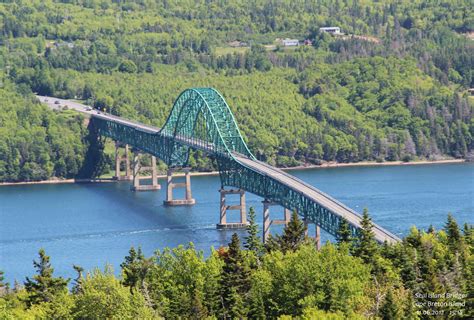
292,182
316,195
59,104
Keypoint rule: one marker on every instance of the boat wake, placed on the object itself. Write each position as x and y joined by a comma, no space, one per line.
110,234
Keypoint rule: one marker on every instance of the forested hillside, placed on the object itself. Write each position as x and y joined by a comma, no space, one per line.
394,87
36,143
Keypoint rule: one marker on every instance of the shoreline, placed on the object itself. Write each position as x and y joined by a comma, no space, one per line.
374,164
216,173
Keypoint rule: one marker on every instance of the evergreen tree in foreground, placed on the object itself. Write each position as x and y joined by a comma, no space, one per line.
468,234
3,285
367,246
431,229
135,268
257,308
235,282
389,309
43,287
293,236
410,309
252,241
79,280
407,268
344,234
294,233
452,230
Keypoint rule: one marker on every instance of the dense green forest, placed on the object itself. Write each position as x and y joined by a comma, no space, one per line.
426,276
393,88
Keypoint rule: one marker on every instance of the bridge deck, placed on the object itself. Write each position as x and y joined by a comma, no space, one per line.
316,195
261,168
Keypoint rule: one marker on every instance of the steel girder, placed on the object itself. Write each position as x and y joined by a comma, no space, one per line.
149,142
233,173
202,120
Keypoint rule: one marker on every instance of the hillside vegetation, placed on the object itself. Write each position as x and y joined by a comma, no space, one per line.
342,99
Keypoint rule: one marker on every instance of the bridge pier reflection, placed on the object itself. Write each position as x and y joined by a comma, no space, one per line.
267,222
170,185
223,224
122,158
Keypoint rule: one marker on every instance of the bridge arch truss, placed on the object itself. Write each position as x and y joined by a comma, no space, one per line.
201,120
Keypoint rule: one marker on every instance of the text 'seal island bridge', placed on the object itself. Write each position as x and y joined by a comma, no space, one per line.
201,120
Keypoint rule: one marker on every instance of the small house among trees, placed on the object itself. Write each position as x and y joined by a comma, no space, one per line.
289,42
332,30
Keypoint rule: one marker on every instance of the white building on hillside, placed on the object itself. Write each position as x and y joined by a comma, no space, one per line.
290,42
332,30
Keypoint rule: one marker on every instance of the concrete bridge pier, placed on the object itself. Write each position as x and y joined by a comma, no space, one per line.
138,168
170,185
267,221
119,159
223,224
317,231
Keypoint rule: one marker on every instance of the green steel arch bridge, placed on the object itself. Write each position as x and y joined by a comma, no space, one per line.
201,120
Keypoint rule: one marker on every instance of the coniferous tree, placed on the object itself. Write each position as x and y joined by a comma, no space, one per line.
467,229
78,281
3,285
129,268
198,310
293,235
452,230
344,234
409,308
257,308
427,269
252,241
468,234
389,309
43,287
414,238
272,243
431,229
235,281
134,268
407,270
367,246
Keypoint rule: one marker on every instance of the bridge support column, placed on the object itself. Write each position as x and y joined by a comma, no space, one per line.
119,158
317,236
170,201
223,224
267,222
138,168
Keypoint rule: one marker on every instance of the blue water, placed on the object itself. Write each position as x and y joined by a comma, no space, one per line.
94,224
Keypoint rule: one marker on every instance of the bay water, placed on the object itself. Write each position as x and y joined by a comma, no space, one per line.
95,224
